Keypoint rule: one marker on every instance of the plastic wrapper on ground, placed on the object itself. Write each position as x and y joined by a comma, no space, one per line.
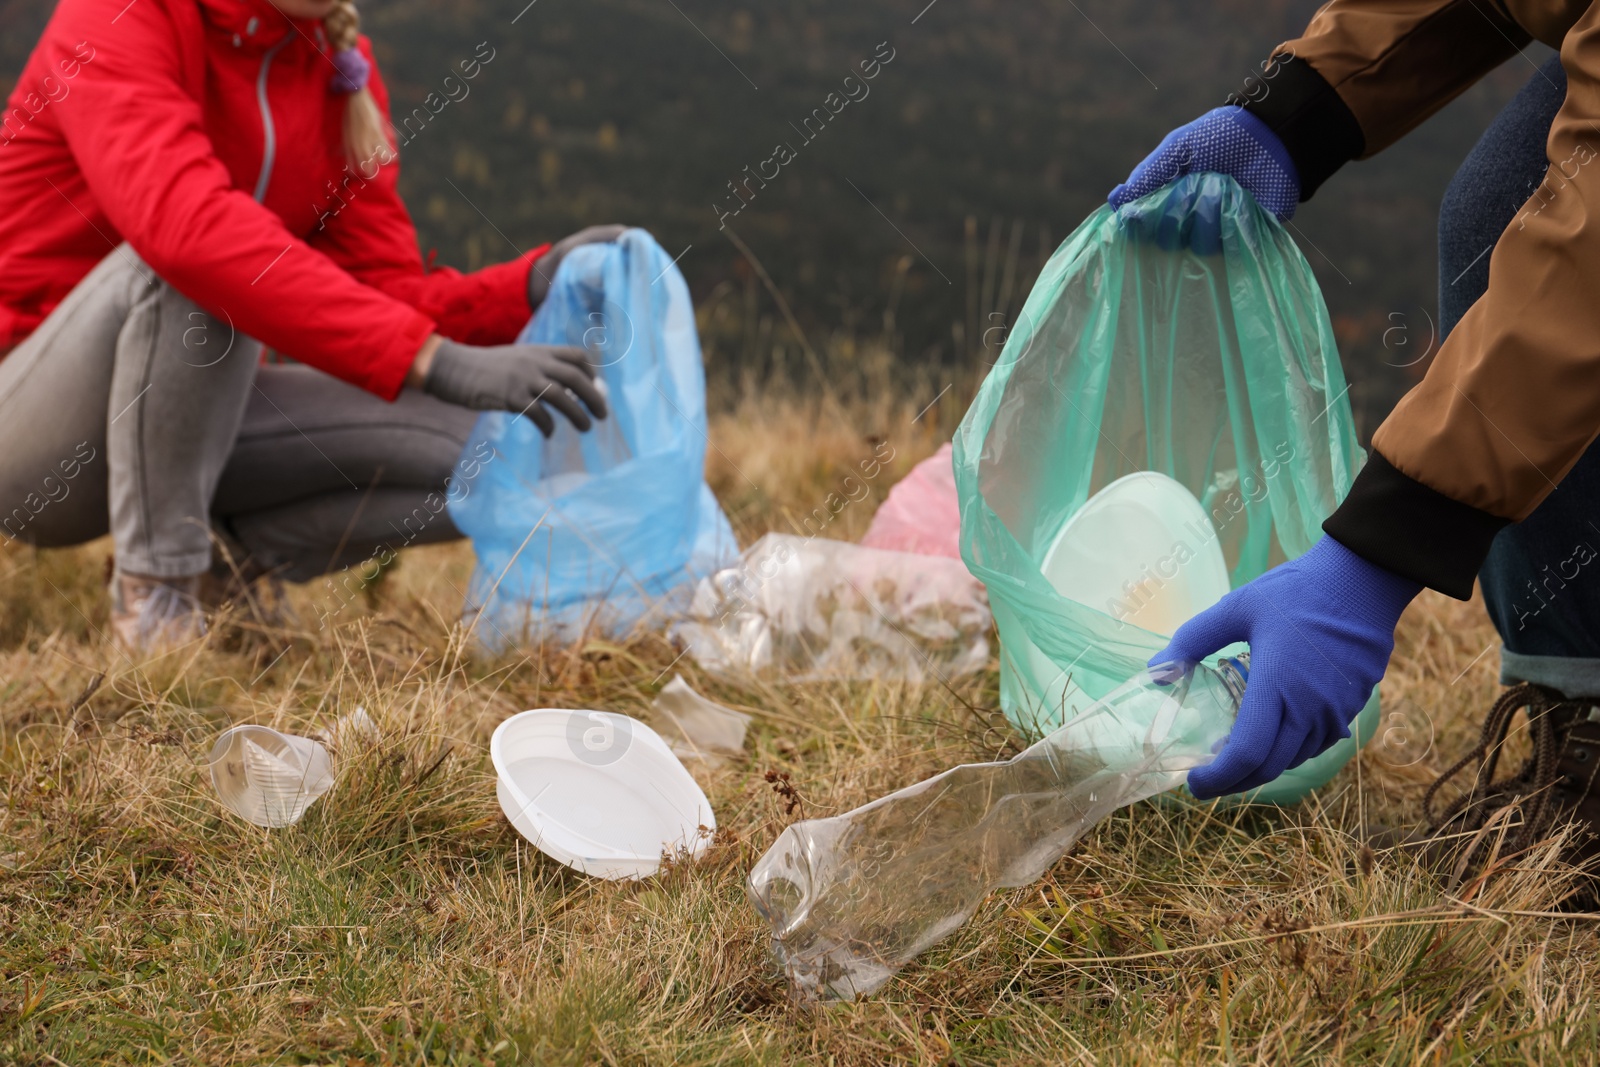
697,728
810,608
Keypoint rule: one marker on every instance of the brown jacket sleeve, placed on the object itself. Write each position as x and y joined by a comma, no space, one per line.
1396,62
1513,397
1366,72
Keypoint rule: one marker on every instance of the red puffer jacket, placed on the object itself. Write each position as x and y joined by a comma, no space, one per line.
204,133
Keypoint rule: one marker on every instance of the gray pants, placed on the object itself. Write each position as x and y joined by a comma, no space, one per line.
132,411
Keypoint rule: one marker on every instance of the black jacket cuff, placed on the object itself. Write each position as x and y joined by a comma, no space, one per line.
1316,126
1419,533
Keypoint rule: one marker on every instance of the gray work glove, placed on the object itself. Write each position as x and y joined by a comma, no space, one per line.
519,378
544,268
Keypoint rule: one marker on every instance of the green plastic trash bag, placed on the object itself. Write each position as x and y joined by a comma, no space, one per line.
1134,353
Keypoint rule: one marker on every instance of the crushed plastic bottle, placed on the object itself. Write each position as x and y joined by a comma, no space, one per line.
852,899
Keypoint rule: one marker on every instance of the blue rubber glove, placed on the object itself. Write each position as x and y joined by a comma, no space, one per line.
1226,140
1320,629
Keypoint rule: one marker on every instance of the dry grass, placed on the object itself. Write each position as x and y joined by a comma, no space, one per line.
404,921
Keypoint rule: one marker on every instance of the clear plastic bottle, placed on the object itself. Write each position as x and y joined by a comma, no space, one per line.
853,898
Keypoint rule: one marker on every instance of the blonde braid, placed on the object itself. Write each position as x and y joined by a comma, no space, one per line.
366,136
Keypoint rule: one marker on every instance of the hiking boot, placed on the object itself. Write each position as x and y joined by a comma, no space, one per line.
1556,783
257,598
151,616
255,593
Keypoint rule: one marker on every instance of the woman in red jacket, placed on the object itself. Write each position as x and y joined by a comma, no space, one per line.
167,168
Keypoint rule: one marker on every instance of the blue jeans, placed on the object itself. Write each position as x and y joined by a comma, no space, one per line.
1541,582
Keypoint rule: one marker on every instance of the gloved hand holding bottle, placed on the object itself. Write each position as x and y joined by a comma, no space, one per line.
1226,140
1320,630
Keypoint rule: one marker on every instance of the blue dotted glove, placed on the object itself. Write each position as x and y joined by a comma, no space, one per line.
1320,629
1226,140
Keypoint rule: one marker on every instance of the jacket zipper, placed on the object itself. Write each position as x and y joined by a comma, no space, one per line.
269,150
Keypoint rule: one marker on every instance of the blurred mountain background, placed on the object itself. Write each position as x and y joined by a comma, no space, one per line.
919,216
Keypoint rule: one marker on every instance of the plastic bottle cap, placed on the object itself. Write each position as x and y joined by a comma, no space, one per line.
597,791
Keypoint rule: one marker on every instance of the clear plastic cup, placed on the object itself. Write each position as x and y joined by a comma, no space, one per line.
267,777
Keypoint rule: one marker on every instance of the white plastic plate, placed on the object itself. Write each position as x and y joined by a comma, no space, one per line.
1143,550
597,791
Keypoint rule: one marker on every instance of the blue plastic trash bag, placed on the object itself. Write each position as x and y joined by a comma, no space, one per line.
1134,353
603,531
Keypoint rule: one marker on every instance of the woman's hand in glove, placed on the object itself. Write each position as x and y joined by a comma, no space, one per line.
1226,140
519,378
544,268
1320,629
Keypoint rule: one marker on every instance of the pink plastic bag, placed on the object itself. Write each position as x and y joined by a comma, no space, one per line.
922,514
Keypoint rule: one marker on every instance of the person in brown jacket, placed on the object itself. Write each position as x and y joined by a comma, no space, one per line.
1484,469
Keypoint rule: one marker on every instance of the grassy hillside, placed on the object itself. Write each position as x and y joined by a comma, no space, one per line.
404,922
